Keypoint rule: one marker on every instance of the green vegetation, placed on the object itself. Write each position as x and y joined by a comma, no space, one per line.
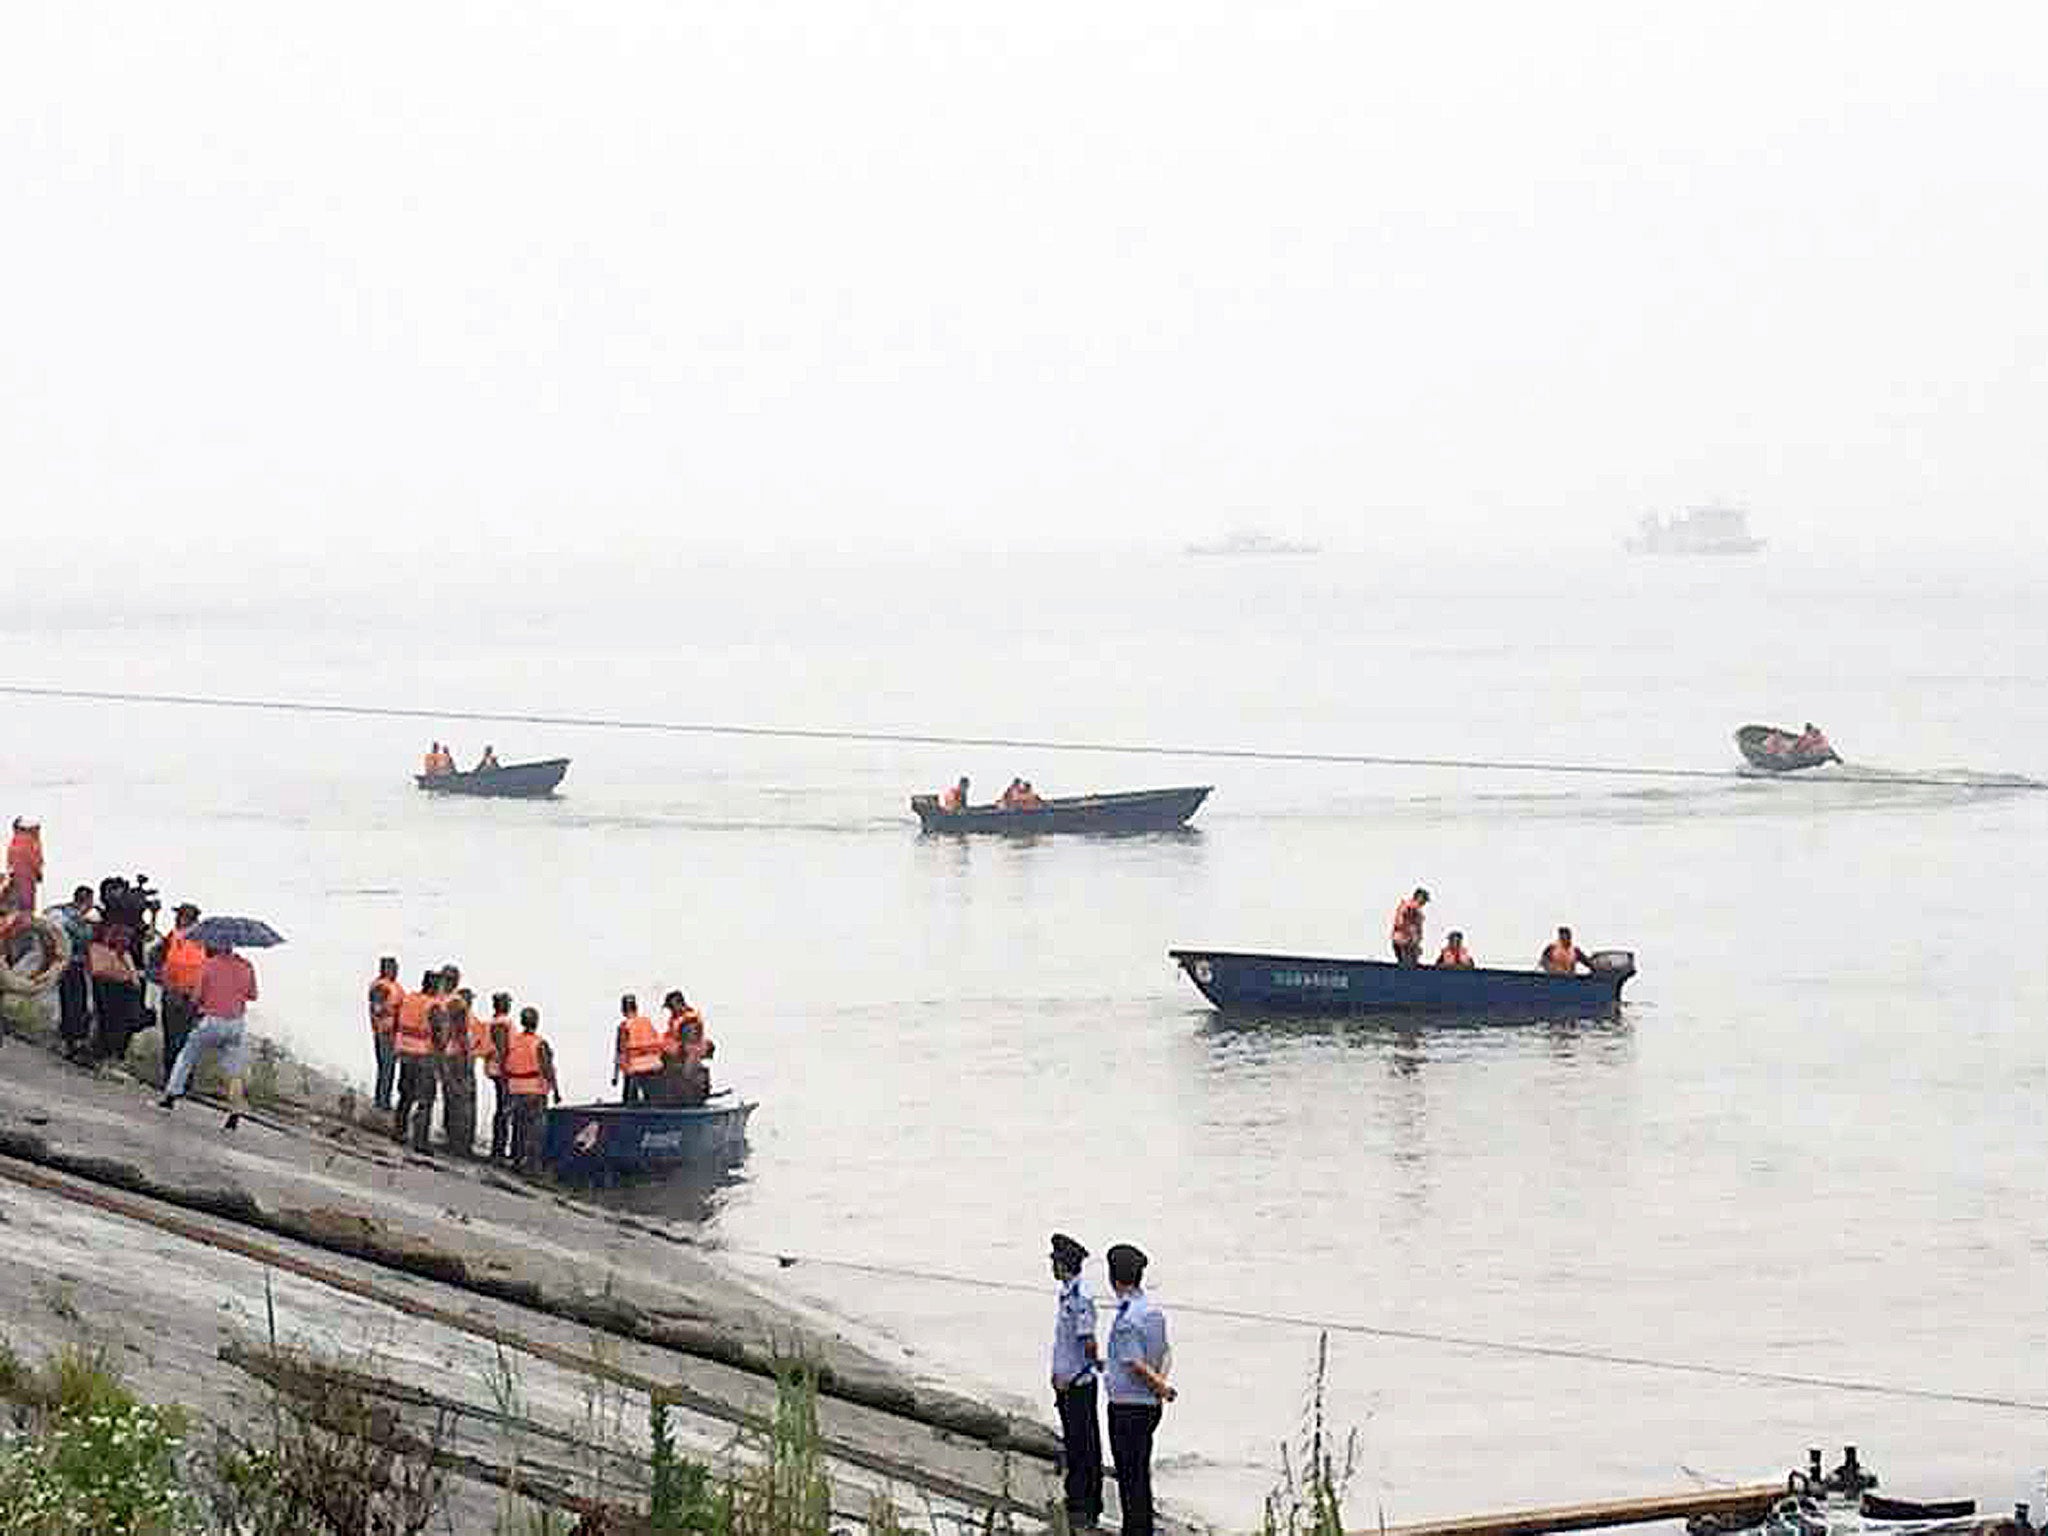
1308,1500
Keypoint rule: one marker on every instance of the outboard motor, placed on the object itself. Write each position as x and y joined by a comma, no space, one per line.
1610,962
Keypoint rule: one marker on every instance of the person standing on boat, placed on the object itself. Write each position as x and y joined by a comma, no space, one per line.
1407,934
1454,956
1563,957
529,1083
488,761
1075,1360
637,1057
387,992
1137,1385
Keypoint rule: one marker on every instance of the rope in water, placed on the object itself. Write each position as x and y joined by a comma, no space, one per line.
1005,743
1452,1340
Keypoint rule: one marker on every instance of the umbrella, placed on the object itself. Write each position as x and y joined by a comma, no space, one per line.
234,932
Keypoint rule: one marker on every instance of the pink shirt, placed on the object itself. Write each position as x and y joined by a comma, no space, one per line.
227,985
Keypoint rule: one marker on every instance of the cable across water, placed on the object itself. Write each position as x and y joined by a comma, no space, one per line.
1474,1342
1004,743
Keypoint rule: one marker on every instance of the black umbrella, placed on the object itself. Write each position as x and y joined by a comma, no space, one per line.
234,933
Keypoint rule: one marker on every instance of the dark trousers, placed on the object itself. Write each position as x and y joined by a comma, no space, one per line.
1408,953
1081,1451
180,1014
458,1105
117,1005
640,1089
529,1118
1131,1426
414,1116
387,1066
501,1118
74,1009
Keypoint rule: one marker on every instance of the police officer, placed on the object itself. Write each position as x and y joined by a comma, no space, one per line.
1136,1379
1074,1364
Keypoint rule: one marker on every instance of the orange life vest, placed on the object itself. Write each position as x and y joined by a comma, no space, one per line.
1455,957
183,961
415,1034
482,1042
523,1077
951,801
682,1033
1408,922
640,1049
1561,959
386,998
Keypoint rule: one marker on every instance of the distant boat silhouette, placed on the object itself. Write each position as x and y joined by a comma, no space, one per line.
1696,531
1251,542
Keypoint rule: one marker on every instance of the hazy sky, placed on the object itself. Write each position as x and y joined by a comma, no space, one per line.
1371,271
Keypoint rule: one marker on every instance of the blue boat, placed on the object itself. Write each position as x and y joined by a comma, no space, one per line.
1255,983
602,1141
1135,810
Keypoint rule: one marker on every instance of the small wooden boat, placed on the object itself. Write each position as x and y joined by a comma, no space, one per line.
584,1141
1140,810
1237,982
514,781
1778,751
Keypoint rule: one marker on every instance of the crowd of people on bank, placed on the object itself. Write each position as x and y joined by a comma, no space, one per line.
431,1041
1561,957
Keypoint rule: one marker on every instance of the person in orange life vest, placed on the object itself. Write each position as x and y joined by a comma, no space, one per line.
1012,795
178,961
638,1055
458,1078
418,1072
955,799
529,1083
682,1037
490,1039
1563,957
25,865
386,993
1027,797
1407,932
1454,955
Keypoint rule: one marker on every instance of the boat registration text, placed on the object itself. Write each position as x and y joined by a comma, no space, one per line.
1326,981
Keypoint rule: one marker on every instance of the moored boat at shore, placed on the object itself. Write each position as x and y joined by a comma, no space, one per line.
1139,810
1244,982
508,781
607,1140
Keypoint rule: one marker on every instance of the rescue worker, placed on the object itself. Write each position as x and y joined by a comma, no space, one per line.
488,1041
955,799
419,1021
1407,932
682,1037
458,1079
387,992
638,1055
1028,798
1562,957
25,865
1454,955
488,760
529,1084
179,962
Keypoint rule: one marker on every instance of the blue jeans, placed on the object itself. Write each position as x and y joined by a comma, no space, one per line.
223,1035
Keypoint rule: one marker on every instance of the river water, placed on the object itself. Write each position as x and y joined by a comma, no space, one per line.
1812,1145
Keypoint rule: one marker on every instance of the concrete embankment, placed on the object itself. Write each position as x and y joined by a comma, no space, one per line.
531,1327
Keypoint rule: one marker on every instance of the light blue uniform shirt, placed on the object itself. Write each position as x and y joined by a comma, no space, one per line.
1073,1327
1138,1333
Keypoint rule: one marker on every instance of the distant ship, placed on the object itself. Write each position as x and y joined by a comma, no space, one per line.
1246,542
1696,531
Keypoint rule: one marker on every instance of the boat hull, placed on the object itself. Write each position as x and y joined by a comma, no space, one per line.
1144,810
585,1141
1240,982
1750,742
512,781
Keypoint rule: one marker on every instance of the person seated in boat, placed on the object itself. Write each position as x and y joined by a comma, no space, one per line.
1563,957
1812,742
1011,797
488,760
683,1082
1407,929
955,799
1454,956
1028,798
436,762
